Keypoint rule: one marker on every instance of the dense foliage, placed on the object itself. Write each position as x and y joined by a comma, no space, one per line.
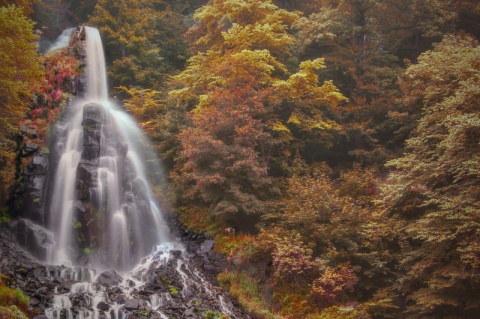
20,74
331,146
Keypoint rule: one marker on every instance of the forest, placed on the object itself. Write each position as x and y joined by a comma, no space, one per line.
330,147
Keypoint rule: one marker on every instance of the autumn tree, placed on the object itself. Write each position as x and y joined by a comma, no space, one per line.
25,5
233,89
225,86
324,235
20,72
222,149
248,24
364,43
434,191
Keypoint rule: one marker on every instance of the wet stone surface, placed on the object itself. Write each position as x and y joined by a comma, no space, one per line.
174,282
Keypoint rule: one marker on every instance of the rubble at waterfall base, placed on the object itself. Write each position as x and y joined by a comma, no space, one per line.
176,281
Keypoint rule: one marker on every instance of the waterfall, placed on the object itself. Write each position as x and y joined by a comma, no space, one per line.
113,256
62,40
102,210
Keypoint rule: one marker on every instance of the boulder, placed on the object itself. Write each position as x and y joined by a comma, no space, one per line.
33,237
102,306
132,304
29,195
109,278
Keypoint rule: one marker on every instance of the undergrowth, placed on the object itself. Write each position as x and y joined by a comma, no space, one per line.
13,303
248,292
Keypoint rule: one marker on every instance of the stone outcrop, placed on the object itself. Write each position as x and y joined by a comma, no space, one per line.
33,237
28,198
86,207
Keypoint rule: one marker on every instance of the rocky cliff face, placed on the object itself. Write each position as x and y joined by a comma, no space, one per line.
86,208
28,199
30,196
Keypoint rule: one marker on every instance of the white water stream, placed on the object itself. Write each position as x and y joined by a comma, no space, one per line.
125,225
119,220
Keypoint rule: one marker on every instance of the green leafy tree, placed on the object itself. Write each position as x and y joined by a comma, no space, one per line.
435,190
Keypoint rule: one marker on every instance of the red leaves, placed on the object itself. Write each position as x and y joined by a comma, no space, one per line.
56,95
60,68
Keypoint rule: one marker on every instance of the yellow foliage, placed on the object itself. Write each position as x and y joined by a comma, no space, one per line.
144,104
21,67
436,188
278,126
238,248
244,24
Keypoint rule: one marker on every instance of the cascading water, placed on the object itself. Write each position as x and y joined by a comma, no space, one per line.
101,208
103,216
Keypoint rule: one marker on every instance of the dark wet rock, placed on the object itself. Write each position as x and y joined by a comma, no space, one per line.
109,278
206,246
82,84
28,196
132,304
33,237
177,297
93,117
176,253
189,313
103,306
29,149
23,271
34,302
